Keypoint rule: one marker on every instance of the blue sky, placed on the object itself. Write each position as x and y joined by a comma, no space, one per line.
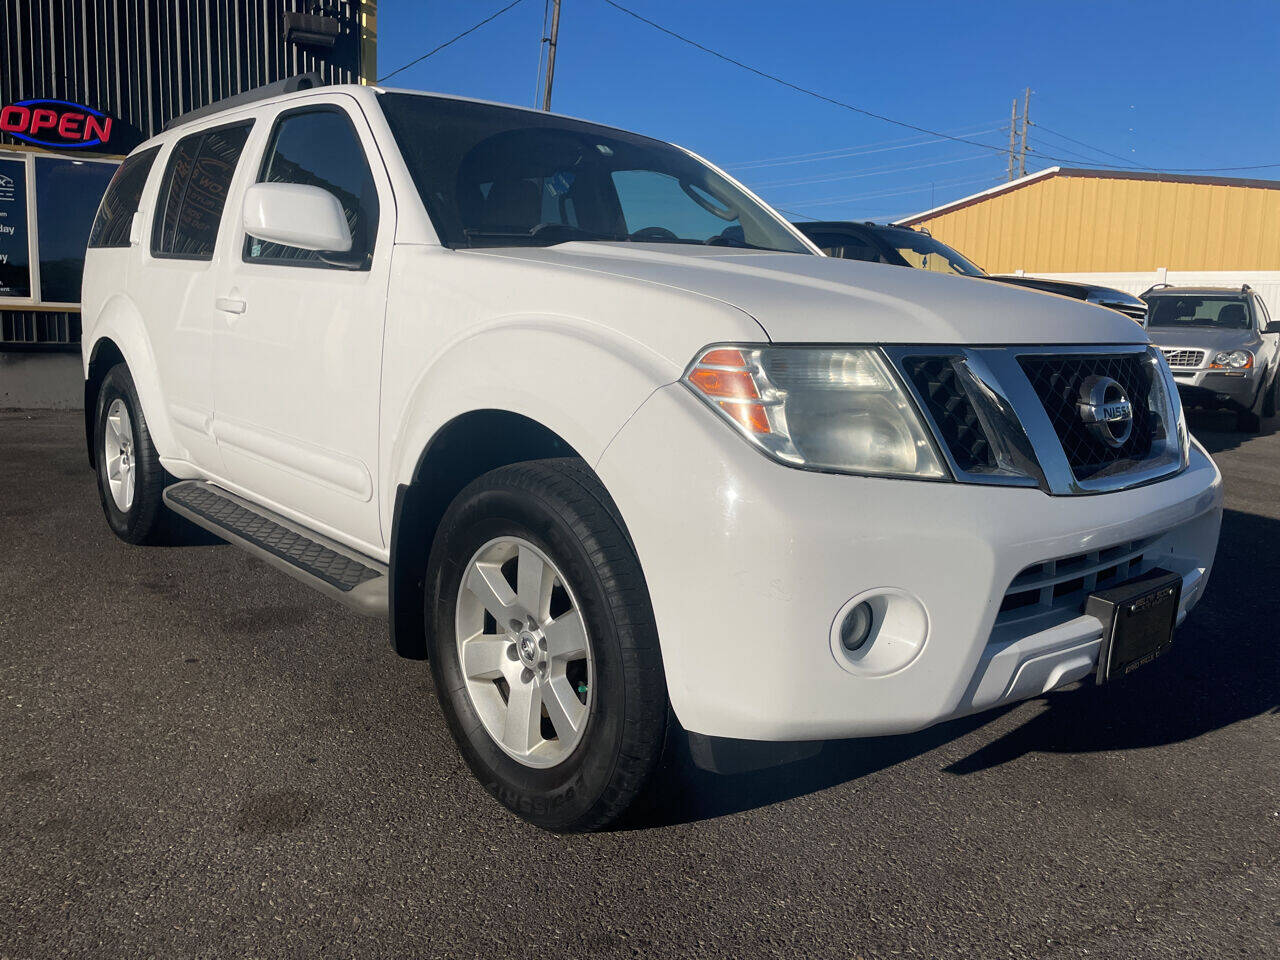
1161,84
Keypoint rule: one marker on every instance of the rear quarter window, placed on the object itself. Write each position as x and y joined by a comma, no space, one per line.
120,202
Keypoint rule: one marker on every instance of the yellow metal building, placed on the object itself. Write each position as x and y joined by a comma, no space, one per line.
1122,228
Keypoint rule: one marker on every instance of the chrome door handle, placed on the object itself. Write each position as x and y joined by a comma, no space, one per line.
229,304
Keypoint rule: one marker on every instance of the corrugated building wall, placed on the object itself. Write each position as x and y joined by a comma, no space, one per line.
1068,221
149,61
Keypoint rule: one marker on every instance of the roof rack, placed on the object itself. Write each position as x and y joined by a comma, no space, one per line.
304,81
1245,288
1154,287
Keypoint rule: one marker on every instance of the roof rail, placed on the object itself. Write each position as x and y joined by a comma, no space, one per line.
1245,288
304,81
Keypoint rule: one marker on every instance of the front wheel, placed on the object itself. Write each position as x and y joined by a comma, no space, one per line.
1270,404
543,646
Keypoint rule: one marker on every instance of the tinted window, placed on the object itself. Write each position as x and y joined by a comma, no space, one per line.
1227,313
925,253
321,148
115,215
195,191
67,195
846,246
498,176
15,261
659,202
1264,315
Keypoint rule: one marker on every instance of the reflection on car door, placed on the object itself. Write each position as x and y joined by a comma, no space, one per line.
299,351
178,289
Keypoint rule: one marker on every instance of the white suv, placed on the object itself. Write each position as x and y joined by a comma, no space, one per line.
613,445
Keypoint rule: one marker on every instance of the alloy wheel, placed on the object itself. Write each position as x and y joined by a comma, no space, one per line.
524,651
118,451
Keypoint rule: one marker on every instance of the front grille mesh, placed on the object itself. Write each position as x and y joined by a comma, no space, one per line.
936,381
1184,358
1061,586
1057,381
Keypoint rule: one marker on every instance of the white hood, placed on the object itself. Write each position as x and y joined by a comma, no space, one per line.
812,299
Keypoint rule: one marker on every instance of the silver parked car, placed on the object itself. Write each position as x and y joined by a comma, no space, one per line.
1222,345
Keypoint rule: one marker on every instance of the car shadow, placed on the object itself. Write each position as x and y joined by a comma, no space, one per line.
1223,668
1217,431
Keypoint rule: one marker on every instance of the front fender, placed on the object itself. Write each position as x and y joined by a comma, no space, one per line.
580,380
120,322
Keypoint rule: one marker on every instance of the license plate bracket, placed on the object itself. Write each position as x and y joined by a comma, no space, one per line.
1138,618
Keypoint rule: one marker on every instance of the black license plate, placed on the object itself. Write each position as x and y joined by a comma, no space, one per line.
1138,618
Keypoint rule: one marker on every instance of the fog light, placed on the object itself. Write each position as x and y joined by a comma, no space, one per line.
856,627
878,632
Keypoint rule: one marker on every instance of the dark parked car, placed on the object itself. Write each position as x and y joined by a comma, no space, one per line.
905,247
1222,346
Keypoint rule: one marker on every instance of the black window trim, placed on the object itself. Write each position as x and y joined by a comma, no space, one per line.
154,153
320,107
158,213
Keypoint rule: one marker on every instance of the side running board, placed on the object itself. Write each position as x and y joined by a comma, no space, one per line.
344,574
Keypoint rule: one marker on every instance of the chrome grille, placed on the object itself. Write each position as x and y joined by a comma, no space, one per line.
952,411
1012,416
1058,379
1183,358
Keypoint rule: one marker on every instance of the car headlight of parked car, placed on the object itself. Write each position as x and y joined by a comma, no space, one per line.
834,409
1233,360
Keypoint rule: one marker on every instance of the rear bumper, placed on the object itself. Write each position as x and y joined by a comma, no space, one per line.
749,565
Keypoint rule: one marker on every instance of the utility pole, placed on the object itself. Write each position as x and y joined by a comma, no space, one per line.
1026,122
551,53
1013,133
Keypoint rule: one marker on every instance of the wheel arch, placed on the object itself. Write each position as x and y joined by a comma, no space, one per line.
119,335
105,355
462,449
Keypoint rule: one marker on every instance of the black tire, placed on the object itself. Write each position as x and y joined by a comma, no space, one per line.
143,521
1270,404
559,506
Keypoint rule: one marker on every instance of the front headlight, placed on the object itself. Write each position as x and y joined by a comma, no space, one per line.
838,409
1233,360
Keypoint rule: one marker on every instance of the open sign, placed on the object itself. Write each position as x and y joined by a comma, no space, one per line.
65,125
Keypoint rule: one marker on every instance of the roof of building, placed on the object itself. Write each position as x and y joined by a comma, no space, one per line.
1090,172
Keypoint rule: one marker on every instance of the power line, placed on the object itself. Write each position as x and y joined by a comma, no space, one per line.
794,86
464,33
878,172
825,201
542,48
840,153
879,116
1089,146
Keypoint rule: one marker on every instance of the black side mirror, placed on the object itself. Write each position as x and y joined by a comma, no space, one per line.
1272,327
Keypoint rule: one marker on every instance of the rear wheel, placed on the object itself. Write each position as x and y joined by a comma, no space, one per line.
543,645
130,478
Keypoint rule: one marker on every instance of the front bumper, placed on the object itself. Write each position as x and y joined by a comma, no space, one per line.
748,563
1236,390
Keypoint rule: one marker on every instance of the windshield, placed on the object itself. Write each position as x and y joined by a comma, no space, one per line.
497,176
1225,313
925,253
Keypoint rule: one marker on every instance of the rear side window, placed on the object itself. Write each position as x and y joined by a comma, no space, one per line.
120,202
195,191
320,148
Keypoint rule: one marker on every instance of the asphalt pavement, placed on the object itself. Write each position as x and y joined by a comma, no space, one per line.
201,758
